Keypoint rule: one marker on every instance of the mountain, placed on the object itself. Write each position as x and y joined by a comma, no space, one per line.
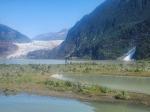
61,35
8,37
110,31
8,34
6,48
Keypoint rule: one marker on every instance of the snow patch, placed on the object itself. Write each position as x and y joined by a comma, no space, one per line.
25,48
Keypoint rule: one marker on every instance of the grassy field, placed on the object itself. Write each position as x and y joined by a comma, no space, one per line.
37,78
15,77
139,68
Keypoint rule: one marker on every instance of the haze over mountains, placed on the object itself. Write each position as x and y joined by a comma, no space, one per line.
13,44
61,35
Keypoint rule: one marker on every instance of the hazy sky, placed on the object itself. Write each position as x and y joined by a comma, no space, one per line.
33,17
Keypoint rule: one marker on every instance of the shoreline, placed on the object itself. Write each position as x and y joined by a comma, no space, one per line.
36,79
135,98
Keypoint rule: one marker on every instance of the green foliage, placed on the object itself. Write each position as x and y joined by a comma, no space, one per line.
122,95
110,31
24,78
76,87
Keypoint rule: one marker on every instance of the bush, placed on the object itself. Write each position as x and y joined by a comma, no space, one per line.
122,95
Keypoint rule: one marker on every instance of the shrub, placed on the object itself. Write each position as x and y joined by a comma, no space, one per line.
122,95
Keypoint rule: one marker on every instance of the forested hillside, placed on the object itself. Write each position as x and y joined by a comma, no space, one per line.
111,30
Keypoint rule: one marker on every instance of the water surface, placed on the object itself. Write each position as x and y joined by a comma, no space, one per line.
31,61
127,83
54,61
33,103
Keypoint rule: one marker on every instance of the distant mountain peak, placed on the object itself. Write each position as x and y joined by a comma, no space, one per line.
60,35
8,34
8,37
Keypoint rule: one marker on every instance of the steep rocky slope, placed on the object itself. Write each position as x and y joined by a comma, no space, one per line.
111,30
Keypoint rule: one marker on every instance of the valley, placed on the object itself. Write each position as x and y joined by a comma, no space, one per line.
24,48
75,59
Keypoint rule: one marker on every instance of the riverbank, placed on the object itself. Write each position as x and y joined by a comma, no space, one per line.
36,79
137,68
90,95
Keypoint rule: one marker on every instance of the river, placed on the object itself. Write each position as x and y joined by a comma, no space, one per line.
127,83
33,103
54,61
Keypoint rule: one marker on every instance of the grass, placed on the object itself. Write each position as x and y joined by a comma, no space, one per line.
122,95
22,78
15,78
139,68
135,69
76,87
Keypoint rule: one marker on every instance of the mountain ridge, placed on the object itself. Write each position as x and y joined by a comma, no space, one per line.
61,35
10,35
111,30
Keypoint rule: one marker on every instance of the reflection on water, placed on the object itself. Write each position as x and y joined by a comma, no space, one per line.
128,83
32,103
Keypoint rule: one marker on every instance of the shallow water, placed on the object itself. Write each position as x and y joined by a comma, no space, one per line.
31,61
127,83
32,103
116,107
52,61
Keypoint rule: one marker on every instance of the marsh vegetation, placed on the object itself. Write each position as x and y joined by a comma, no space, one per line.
37,79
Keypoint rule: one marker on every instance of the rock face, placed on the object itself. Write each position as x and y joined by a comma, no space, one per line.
110,31
61,35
